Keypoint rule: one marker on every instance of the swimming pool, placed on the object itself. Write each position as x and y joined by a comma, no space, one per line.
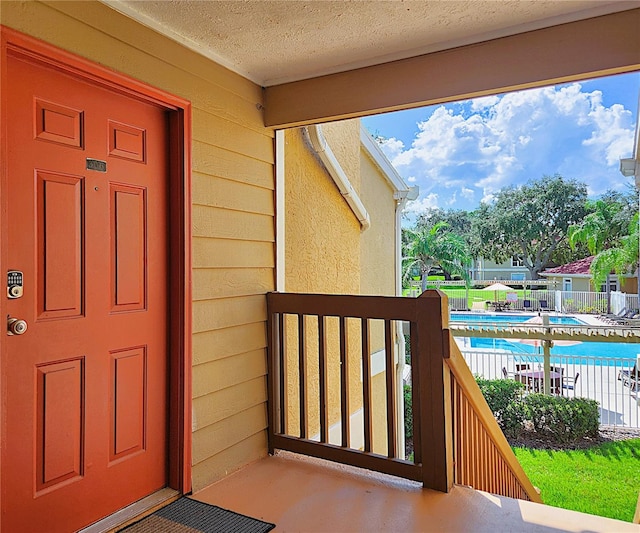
499,318
594,349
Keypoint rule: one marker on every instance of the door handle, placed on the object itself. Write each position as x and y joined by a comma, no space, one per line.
16,326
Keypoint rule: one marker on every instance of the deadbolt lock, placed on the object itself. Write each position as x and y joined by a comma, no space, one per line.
14,284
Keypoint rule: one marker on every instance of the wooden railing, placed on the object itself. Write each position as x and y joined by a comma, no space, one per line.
312,361
482,455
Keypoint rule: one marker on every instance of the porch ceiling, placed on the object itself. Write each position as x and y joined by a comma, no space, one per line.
278,41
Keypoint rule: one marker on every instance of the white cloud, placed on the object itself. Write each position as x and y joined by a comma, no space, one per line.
422,204
392,147
478,104
488,143
467,193
610,138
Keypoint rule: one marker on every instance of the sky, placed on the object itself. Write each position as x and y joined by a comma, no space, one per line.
462,153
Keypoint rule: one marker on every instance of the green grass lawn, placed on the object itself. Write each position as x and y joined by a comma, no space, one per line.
477,295
603,480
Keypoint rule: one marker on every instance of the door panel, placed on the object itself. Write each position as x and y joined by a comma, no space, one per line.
128,237
86,386
58,123
60,423
60,244
129,402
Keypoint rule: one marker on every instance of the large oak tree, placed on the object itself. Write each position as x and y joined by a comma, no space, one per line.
530,221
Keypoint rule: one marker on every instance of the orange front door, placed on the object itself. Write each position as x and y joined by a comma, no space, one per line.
84,389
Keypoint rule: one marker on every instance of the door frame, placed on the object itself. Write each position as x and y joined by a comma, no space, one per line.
14,43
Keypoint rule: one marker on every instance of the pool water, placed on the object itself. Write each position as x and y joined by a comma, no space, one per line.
594,349
510,319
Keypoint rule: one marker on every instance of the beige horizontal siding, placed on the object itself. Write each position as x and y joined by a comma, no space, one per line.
222,343
225,403
233,226
228,372
229,460
226,224
216,192
214,438
223,313
216,131
210,283
214,161
220,253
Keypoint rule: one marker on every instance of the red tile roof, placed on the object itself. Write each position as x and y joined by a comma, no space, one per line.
577,267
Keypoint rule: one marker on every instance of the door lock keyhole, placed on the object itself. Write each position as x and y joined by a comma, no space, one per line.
16,326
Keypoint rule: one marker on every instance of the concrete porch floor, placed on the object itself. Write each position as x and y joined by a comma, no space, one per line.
305,494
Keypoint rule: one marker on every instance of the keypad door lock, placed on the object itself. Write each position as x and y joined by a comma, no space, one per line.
14,284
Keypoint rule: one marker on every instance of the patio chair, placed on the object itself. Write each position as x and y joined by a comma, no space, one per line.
569,383
505,373
543,304
622,320
556,383
522,366
630,378
526,304
609,316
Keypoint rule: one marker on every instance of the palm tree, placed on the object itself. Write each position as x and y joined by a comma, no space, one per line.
601,230
426,248
620,258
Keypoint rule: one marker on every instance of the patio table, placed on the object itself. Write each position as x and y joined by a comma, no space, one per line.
534,379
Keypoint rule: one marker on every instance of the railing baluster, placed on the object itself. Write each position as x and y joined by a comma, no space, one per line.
302,376
344,385
366,383
322,374
272,386
282,367
390,376
415,393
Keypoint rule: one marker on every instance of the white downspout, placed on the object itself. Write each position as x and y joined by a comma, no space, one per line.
322,148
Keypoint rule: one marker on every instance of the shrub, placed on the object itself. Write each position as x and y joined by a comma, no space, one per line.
556,417
500,393
563,419
513,419
408,413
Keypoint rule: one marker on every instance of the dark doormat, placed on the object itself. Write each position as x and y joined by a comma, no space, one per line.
191,516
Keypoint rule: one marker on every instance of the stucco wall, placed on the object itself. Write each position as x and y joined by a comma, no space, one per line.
233,209
326,252
322,235
322,252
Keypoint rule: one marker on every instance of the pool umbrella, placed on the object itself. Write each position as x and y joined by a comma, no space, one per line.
495,287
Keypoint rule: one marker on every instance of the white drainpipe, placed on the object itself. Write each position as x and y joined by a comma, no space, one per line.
322,148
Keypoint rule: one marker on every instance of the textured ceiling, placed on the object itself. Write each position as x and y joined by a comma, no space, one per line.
276,41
